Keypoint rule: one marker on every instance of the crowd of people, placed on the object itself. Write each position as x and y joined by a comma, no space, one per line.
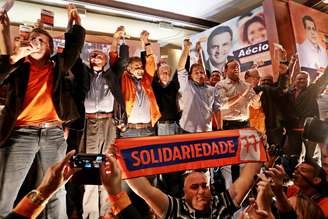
55,102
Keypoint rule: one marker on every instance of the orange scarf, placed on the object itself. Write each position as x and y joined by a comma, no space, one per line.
129,90
257,119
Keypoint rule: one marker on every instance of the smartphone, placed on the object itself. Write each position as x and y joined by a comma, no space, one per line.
88,161
90,169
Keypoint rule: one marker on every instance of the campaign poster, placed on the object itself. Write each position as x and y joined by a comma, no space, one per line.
88,47
47,17
243,38
311,37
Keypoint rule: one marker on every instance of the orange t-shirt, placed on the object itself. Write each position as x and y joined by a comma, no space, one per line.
38,106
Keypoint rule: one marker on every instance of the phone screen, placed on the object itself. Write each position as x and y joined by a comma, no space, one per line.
88,161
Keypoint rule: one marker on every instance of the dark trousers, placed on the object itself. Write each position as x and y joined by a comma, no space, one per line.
138,202
97,137
230,125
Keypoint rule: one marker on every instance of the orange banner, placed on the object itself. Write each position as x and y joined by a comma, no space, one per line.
163,154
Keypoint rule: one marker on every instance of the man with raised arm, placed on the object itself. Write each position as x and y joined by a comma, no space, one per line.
199,101
197,202
39,100
136,87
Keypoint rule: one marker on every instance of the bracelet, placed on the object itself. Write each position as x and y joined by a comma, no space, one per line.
114,198
28,208
121,203
36,197
149,55
147,44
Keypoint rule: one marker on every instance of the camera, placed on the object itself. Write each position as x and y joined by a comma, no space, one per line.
316,130
90,173
88,161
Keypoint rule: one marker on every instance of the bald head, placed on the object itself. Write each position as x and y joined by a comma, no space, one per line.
196,191
192,176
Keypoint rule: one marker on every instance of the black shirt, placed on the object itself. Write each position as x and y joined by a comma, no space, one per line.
305,104
166,98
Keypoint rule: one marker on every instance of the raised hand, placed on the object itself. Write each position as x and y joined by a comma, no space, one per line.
119,33
264,193
110,174
5,42
73,14
280,53
144,35
187,44
277,175
4,22
198,46
57,175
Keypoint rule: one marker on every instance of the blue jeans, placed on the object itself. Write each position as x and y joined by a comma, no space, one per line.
48,146
168,128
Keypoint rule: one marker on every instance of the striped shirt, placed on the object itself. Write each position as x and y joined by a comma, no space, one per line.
222,207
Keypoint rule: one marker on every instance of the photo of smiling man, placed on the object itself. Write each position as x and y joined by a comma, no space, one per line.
311,53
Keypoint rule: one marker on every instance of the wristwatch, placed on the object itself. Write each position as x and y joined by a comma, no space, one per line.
36,197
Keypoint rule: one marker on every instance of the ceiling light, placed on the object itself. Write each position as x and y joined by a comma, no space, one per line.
122,12
59,2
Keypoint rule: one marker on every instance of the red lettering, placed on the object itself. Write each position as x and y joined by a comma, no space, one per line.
244,142
254,141
134,156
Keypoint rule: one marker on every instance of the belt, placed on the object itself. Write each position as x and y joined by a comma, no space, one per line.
298,129
235,121
43,125
98,115
166,122
139,125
